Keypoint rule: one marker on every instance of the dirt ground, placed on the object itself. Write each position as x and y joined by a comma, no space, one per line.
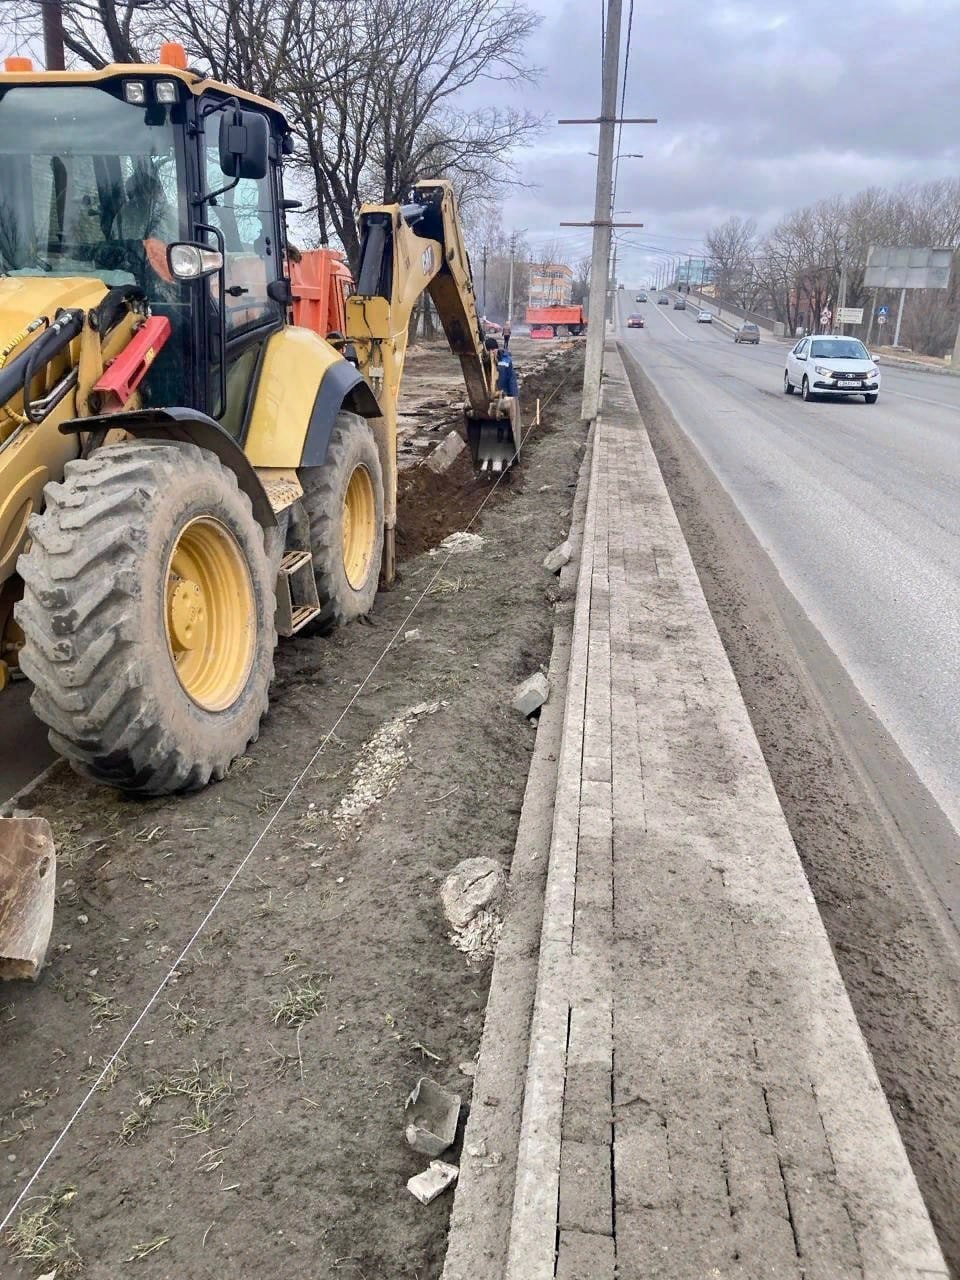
253,1125
856,812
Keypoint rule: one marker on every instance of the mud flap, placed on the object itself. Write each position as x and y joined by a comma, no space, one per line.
495,442
28,879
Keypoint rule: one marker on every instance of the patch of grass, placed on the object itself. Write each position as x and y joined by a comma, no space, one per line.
147,1247
300,1003
183,1019
208,1089
105,1008
93,1069
40,1237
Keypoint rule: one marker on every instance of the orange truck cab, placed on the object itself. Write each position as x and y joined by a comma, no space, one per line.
321,283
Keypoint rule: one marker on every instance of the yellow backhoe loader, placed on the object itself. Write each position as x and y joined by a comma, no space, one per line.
184,473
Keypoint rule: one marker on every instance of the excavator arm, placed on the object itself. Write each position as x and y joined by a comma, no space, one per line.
407,250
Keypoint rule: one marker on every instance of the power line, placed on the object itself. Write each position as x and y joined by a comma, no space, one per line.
623,100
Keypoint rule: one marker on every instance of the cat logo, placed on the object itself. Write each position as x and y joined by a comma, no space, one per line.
427,261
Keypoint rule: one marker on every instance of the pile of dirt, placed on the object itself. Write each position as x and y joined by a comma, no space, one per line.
431,505
254,1123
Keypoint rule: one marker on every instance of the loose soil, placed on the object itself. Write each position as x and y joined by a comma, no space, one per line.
857,813
253,1125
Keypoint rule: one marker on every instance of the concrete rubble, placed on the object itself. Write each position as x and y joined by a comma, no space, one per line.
532,694
446,452
555,560
431,1113
434,1180
472,896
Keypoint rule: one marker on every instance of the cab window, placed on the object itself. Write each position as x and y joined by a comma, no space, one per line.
245,218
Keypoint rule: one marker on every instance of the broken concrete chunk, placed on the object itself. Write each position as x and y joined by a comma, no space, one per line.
555,560
431,1113
474,885
457,543
446,452
433,1181
532,694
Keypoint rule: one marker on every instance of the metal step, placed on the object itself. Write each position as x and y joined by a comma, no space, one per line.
297,600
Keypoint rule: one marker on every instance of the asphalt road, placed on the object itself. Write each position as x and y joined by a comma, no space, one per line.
858,507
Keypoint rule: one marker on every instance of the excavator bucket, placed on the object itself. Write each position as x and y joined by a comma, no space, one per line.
495,442
28,862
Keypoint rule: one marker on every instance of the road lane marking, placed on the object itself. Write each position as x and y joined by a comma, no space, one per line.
673,326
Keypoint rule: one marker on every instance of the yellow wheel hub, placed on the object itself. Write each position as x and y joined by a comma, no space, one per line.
359,527
210,614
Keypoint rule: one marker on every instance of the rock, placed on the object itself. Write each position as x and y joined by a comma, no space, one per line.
411,635
456,543
433,1181
431,1113
446,452
558,557
532,694
474,885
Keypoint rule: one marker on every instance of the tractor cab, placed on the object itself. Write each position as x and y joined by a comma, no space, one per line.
148,178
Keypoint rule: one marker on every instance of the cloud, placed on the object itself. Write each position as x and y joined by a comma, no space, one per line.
762,107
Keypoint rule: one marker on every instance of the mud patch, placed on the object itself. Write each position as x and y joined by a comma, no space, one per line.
277,1059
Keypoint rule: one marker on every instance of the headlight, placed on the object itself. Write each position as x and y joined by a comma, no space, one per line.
872,371
135,92
166,91
819,368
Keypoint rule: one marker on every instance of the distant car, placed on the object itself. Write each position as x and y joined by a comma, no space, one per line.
635,320
663,301
641,297
748,332
831,365
491,326
704,317
679,304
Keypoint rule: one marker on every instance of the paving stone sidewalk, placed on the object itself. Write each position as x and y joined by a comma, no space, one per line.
699,1100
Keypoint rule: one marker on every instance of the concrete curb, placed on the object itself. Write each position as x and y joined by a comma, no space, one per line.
477,1241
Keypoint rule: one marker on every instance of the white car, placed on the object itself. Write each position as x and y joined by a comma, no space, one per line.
704,317
831,365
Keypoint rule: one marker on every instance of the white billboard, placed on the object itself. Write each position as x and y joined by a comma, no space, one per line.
907,268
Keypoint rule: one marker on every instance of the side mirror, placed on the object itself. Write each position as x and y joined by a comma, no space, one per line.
188,261
244,144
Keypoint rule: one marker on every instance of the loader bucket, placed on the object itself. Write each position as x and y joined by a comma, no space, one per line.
28,876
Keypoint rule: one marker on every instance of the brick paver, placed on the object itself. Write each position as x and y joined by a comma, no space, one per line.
699,1101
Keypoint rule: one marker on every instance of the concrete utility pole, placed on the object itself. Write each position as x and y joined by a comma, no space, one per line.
903,298
955,362
603,203
842,301
52,34
513,254
484,281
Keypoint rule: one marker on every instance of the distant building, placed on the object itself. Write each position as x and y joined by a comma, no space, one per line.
551,284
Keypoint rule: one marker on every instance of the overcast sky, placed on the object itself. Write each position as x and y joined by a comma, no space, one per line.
762,106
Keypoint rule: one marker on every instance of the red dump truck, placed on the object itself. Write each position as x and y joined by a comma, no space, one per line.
547,322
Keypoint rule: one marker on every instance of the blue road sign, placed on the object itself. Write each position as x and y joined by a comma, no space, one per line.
883,311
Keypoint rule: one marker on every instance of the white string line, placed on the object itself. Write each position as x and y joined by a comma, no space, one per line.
81,1107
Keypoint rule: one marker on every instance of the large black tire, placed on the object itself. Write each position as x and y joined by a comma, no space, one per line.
870,398
96,605
352,447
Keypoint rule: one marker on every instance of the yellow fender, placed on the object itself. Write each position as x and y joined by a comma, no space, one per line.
304,383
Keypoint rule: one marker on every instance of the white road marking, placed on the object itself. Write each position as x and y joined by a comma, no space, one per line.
673,326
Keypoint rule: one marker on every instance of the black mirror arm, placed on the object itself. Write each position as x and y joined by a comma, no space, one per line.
204,197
